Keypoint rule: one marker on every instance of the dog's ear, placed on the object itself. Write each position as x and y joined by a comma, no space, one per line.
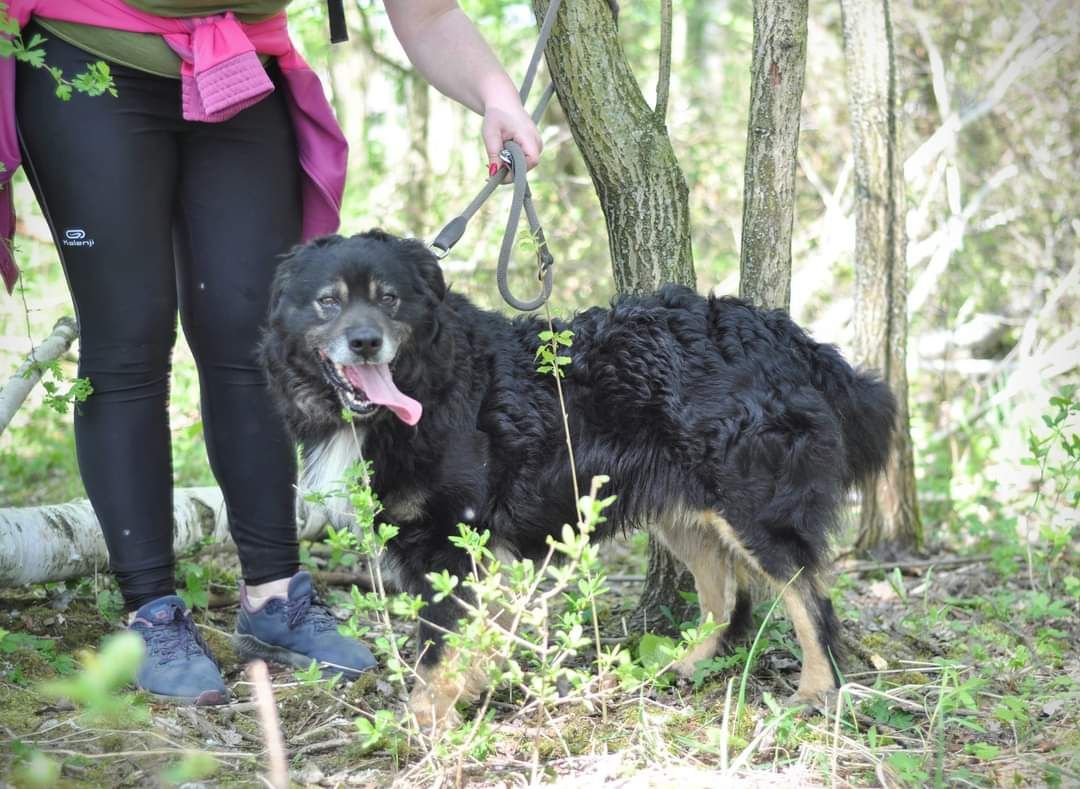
291,262
427,266
433,276
282,275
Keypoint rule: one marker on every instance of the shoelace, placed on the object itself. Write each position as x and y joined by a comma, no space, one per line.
310,608
176,638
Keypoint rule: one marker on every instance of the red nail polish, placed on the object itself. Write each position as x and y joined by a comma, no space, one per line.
492,169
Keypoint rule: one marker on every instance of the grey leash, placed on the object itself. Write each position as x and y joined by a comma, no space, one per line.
513,159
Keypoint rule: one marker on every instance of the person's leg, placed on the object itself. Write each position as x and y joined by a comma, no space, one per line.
239,211
105,171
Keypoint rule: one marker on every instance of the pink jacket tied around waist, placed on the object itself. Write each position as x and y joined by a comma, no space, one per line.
220,75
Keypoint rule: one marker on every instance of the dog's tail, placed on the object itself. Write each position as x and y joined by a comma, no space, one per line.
865,406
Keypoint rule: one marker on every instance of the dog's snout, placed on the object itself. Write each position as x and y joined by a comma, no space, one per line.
364,341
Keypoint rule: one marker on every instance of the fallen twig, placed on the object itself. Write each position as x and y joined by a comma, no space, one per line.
326,745
268,719
151,752
860,568
338,578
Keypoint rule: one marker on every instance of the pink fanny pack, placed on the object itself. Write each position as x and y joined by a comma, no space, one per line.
221,75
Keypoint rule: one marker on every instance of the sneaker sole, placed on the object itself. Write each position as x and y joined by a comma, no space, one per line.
208,698
250,648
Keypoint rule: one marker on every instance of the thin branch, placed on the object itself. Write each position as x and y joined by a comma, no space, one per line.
156,752
268,721
663,80
367,36
1031,370
952,239
937,66
18,387
859,568
325,745
341,578
1008,72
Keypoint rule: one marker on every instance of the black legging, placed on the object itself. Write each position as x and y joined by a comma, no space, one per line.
150,212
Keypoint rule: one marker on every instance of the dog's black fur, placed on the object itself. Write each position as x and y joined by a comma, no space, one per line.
689,404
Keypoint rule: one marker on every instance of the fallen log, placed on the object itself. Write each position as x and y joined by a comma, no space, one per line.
29,373
60,541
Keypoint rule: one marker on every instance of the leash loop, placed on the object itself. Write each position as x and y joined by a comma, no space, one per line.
513,159
522,199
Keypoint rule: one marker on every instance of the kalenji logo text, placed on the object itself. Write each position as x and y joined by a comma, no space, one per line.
76,237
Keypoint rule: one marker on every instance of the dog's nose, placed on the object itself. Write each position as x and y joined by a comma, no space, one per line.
364,341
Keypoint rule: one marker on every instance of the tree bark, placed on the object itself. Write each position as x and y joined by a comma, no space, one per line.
772,143
626,148
889,520
644,198
417,203
59,541
696,44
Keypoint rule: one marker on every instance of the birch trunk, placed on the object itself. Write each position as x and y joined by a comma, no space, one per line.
60,541
772,142
889,518
18,387
642,193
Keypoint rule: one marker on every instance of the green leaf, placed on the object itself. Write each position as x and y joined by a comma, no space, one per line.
38,771
655,651
310,674
195,766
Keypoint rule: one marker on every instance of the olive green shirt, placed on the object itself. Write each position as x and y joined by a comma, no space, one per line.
148,51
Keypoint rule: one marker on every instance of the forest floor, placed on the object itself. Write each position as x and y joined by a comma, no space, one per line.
967,673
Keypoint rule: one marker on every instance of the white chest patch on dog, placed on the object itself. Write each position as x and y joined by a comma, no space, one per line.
326,464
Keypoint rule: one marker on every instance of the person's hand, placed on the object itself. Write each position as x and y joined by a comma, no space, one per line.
449,52
509,122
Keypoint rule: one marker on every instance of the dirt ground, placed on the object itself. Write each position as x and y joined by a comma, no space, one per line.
954,677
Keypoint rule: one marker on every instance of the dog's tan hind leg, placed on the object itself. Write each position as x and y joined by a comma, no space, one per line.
816,679
713,567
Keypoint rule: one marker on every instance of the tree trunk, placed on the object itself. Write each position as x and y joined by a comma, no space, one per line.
772,142
644,198
59,541
625,146
696,44
417,204
889,518
15,391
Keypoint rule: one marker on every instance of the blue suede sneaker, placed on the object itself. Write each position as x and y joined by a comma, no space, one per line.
296,630
178,667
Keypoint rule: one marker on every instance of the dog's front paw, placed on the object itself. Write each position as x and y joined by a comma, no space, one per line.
819,699
433,706
686,667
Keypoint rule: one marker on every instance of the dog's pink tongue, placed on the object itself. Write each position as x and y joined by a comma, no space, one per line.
378,387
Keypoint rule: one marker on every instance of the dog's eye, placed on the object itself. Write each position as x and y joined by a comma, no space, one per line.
389,299
327,301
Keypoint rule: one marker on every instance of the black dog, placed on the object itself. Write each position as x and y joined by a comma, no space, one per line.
724,429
